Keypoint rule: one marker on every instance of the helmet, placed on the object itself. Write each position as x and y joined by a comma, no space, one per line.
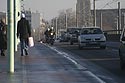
22,15
48,29
52,28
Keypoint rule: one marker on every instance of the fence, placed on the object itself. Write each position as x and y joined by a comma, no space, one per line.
113,35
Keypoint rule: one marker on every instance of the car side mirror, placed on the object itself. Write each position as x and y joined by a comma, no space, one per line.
123,38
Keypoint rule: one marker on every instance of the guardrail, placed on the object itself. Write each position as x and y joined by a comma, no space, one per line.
113,35
112,31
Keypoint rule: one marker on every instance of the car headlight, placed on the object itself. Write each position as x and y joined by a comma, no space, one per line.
103,38
51,33
73,35
81,39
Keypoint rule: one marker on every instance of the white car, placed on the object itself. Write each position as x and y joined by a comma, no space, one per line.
91,37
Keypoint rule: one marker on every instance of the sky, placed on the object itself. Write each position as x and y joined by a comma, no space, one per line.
51,8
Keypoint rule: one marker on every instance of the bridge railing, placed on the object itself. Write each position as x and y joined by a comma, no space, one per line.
113,35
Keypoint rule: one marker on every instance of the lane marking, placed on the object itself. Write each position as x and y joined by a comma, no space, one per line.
105,77
67,56
116,50
101,59
97,78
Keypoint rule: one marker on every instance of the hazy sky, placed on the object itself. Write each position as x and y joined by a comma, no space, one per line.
50,8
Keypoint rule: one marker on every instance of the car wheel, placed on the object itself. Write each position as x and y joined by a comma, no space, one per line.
122,64
71,43
80,47
103,47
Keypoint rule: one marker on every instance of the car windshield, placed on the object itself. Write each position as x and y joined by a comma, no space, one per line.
73,30
91,31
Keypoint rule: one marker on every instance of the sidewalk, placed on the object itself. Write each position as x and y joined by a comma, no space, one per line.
43,65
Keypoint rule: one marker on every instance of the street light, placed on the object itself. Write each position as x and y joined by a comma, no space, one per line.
10,35
56,28
66,20
94,14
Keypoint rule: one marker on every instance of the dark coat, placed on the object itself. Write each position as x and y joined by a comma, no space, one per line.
3,36
23,29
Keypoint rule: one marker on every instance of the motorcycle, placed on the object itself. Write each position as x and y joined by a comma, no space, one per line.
50,39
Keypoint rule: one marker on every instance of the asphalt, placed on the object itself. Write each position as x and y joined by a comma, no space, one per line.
44,65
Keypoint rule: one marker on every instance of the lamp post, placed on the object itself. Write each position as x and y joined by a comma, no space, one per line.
56,28
13,9
119,17
10,35
94,14
124,20
101,20
66,20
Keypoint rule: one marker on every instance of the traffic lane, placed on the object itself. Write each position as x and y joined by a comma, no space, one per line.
114,45
108,59
48,66
109,53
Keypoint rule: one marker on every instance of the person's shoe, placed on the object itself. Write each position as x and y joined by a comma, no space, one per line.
26,52
21,54
2,54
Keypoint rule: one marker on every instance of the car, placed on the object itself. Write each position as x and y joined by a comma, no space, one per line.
91,37
122,49
68,34
63,37
74,36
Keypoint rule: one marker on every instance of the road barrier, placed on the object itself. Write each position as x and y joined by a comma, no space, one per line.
113,35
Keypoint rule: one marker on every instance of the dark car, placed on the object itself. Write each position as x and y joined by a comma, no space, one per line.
122,50
63,37
73,35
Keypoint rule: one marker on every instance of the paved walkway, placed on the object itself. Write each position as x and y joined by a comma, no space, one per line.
43,65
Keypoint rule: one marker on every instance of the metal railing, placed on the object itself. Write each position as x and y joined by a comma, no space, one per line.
113,35
113,32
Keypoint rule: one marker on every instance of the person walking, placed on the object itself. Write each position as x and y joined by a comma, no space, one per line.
3,37
23,32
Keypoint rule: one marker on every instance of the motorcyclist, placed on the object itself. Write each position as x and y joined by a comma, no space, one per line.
49,34
46,34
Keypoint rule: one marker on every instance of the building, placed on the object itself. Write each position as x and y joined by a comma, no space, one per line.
36,22
3,16
83,13
33,18
28,16
107,19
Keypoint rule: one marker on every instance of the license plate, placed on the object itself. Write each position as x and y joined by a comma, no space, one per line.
92,42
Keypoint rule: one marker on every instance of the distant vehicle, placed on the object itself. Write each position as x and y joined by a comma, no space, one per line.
50,39
91,37
122,49
70,30
74,35
63,37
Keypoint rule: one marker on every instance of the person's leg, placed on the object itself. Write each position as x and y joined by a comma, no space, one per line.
26,51
26,47
2,52
22,46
